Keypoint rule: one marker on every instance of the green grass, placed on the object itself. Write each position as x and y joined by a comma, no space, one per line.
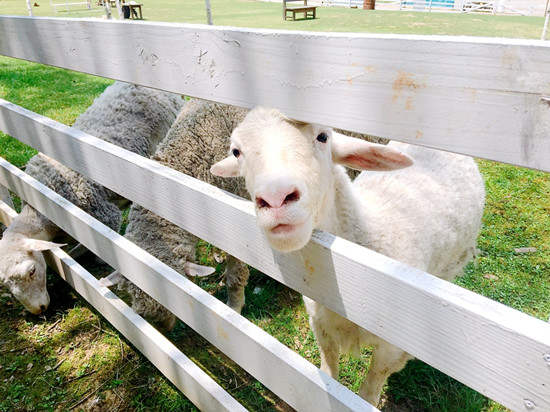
59,94
97,367
250,13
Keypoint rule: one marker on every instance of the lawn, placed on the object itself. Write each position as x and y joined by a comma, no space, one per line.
251,13
72,358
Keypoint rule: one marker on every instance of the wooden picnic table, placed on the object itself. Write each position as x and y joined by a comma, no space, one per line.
309,11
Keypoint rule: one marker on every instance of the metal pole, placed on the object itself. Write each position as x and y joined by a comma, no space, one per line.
107,9
119,10
208,12
547,18
430,5
29,7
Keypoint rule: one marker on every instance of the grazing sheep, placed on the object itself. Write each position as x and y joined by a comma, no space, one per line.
427,215
198,138
130,116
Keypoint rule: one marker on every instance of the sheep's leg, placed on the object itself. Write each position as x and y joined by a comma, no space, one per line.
236,278
168,322
387,359
147,307
330,355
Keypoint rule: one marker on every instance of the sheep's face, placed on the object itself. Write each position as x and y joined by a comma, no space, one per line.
288,169
23,271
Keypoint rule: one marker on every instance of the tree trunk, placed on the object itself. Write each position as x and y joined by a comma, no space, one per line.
368,4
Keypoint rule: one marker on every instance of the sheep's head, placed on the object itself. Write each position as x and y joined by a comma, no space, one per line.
23,270
288,169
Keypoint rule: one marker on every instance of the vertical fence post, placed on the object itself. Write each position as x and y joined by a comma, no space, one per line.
119,10
29,7
208,12
547,17
107,8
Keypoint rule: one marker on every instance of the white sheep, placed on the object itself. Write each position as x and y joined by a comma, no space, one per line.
427,215
198,138
130,116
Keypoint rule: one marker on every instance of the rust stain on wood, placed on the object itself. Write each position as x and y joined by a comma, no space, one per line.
405,82
222,333
309,269
419,134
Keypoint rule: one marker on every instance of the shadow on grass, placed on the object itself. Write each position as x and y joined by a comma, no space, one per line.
419,387
77,358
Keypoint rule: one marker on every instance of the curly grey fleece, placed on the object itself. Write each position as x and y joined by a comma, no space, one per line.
133,117
198,138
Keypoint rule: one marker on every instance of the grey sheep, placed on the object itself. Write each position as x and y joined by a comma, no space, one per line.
133,117
198,139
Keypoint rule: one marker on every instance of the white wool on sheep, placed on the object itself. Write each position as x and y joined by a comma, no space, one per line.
427,214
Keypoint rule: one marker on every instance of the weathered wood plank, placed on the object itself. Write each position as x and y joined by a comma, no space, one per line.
467,336
283,371
200,388
479,96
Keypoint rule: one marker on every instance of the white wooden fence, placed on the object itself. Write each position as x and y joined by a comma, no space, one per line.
483,97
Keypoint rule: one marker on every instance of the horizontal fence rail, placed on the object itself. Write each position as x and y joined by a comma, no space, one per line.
283,371
484,97
194,383
467,336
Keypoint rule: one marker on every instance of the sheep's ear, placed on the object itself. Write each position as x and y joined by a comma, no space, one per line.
192,269
361,155
40,245
228,167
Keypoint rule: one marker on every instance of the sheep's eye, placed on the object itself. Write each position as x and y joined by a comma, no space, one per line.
32,271
236,152
322,137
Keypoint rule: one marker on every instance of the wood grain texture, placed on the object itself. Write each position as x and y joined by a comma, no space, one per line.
478,96
283,371
194,383
467,336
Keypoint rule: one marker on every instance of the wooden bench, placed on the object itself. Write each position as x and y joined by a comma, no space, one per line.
309,11
134,8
